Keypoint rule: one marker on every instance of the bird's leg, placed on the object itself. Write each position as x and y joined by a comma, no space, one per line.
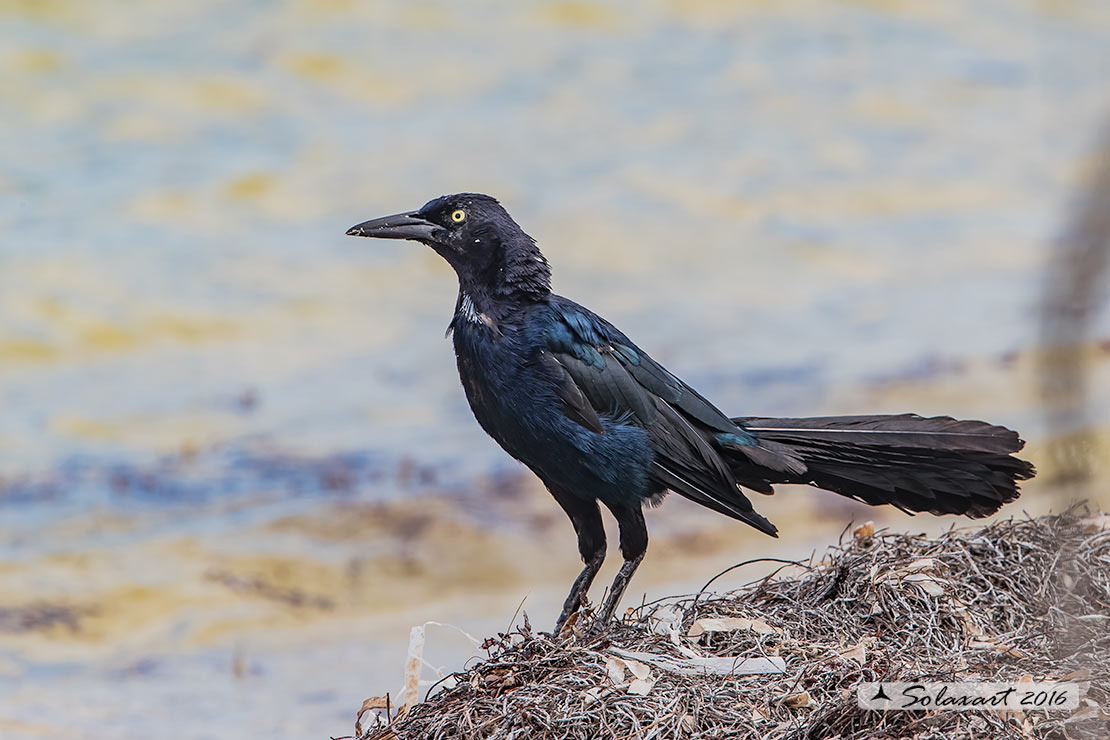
633,546
578,591
620,583
586,518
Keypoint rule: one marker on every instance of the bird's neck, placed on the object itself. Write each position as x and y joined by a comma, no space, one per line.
477,308
493,293
522,273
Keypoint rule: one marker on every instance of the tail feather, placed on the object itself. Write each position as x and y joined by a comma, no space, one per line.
894,430
940,465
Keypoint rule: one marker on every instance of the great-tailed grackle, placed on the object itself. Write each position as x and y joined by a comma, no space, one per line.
566,393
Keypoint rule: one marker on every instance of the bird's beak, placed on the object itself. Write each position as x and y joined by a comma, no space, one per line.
399,226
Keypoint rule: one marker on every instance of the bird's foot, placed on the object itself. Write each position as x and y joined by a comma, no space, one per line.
597,628
570,622
583,624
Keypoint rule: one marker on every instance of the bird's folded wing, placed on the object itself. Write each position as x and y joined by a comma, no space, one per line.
598,344
574,404
595,362
626,386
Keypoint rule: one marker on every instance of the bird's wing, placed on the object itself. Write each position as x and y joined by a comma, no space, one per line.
575,405
594,341
622,383
618,375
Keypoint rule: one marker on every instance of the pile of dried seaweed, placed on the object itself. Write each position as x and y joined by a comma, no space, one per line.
1017,598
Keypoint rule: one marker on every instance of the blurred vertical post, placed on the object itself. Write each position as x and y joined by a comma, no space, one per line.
1076,285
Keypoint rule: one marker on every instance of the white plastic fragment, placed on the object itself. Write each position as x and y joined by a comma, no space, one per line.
919,566
641,686
638,669
914,573
641,682
413,667
591,696
925,583
615,667
668,621
706,666
730,624
858,652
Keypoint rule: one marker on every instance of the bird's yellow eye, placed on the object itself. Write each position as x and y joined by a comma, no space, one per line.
458,216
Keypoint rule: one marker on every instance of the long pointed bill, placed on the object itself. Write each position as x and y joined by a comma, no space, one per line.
399,226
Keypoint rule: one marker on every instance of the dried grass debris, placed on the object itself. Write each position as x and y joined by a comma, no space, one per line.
1017,598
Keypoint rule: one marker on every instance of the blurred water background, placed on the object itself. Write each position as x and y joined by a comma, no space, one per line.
235,462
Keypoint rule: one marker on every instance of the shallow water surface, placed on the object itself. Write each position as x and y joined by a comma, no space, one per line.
235,462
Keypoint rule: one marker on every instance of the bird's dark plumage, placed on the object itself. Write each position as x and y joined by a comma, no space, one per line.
598,420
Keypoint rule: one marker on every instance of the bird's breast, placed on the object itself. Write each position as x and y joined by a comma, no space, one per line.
513,397
494,373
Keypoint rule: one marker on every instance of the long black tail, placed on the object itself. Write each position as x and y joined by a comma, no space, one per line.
940,465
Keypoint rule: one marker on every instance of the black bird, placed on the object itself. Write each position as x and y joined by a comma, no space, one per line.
566,393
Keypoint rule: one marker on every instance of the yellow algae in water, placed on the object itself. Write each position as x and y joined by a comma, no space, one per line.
886,199
230,95
245,593
40,9
425,17
890,6
81,335
919,198
46,105
726,9
889,109
580,14
332,5
101,336
167,93
417,550
192,329
359,81
26,350
51,307
136,126
843,265
122,613
160,206
105,337
90,332
321,67
271,577
20,728
694,196
82,428
251,186
38,61
357,522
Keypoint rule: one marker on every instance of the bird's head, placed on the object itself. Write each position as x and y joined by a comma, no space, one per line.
478,238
